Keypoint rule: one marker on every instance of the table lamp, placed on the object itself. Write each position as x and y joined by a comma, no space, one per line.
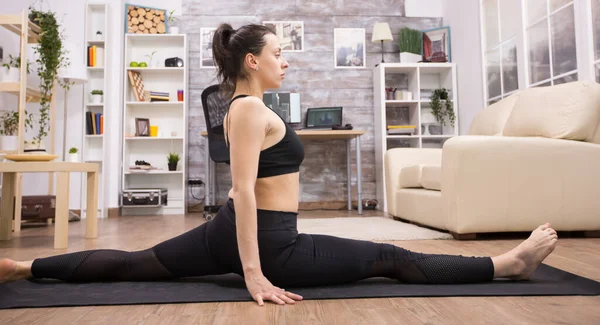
75,73
381,32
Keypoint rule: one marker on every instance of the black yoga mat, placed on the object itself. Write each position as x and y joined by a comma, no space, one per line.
547,281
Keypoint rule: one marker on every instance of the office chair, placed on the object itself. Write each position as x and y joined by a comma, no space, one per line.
215,107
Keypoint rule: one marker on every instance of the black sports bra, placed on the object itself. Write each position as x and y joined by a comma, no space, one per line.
284,157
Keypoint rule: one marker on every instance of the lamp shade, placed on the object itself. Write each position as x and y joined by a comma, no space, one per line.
381,32
76,71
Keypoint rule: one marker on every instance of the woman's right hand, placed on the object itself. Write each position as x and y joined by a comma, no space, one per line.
261,289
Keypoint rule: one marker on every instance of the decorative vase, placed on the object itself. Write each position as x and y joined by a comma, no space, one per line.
10,75
172,167
407,57
74,157
173,30
9,143
96,99
34,148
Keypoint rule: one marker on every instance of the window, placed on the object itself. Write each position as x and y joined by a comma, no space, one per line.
596,36
500,48
550,42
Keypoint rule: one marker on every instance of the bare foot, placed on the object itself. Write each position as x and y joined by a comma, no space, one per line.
8,270
531,252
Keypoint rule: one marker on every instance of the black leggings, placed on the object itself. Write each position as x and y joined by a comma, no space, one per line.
287,258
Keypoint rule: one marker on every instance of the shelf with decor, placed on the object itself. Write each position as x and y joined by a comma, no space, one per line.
404,115
94,143
154,121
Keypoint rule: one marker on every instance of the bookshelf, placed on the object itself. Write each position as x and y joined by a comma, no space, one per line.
419,80
94,144
170,118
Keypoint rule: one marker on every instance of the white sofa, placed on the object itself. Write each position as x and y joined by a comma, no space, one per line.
533,157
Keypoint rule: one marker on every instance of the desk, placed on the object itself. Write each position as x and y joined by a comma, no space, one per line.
10,170
346,135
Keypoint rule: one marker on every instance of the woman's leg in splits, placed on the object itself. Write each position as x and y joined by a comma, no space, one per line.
322,260
181,256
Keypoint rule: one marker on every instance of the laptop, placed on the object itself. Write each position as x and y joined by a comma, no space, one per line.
323,117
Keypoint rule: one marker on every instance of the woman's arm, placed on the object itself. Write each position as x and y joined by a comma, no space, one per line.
247,131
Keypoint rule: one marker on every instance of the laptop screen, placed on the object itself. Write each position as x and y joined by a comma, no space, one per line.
323,117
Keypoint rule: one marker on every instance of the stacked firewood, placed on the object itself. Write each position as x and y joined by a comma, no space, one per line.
145,21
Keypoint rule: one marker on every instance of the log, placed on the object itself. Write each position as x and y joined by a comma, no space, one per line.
148,24
133,13
135,21
141,27
141,11
156,19
150,14
161,28
141,19
153,30
135,28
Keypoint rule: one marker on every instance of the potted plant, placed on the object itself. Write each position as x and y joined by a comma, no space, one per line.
150,56
98,35
97,96
409,43
8,74
442,107
9,126
73,155
51,57
173,159
172,19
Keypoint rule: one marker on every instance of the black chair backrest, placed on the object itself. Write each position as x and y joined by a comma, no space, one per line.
215,106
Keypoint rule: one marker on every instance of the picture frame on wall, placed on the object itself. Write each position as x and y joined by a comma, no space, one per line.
349,48
436,45
206,43
145,20
290,34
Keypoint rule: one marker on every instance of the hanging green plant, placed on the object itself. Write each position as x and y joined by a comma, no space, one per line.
442,106
51,57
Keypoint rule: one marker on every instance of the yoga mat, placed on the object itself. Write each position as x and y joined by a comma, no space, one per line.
547,281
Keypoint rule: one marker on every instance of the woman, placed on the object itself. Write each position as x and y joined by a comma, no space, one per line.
257,237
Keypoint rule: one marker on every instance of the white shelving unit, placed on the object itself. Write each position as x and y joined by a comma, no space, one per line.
94,145
170,117
420,79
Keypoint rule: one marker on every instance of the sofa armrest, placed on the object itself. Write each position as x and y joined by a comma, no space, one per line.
518,183
396,159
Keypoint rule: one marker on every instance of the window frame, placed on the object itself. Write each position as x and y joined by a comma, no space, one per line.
547,18
497,47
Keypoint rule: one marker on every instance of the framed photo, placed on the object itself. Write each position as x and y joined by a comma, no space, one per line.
145,20
290,34
206,41
142,127
436,45
349,48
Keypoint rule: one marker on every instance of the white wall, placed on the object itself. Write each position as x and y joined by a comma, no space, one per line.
463,18
71,15
424,8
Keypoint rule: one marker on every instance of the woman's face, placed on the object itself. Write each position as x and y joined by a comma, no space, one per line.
271,64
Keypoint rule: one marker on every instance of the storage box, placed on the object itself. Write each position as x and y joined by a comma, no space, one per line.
38,207
144,197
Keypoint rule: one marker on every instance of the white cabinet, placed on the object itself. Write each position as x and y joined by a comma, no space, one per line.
166,120
409,105
95,109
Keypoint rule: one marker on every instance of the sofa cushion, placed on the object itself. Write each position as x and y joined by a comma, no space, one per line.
431,177
567,111
491,120
410,176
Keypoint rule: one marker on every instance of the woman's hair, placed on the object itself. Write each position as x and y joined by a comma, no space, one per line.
230,47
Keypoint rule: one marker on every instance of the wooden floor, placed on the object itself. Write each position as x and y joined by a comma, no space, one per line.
577,255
